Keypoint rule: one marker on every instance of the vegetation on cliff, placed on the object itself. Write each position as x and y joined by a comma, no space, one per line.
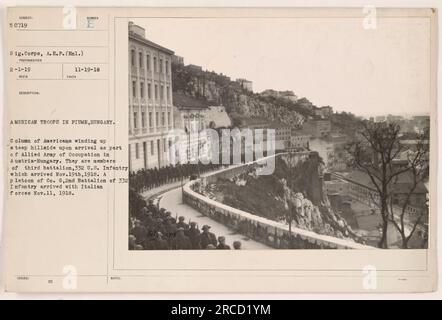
218,89
293,189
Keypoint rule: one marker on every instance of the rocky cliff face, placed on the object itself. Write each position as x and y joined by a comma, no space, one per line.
218,89
293,193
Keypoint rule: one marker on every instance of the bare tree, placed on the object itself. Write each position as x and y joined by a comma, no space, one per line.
418,168
373,152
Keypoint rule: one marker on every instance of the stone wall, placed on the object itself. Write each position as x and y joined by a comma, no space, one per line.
269,232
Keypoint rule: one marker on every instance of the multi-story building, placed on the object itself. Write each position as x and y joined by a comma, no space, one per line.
287,95
324,112
150,101
245,84
177,60
380,119
362,189
299,139
195,68
282,132
190,118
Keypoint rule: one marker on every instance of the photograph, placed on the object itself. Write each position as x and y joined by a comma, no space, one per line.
285,133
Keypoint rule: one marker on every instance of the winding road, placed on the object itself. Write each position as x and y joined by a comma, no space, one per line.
172,201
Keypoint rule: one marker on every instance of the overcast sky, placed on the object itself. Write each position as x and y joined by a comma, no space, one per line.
330,61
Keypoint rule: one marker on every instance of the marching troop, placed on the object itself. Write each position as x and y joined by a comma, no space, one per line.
153,228
146,179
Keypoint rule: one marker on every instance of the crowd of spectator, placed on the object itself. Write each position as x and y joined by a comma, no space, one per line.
154,228
145,179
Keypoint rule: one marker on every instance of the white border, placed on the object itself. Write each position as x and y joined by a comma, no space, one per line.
228,3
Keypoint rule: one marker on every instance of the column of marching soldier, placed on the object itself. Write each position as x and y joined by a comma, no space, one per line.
152,228
146,179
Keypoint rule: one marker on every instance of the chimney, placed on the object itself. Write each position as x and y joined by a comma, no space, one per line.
136,29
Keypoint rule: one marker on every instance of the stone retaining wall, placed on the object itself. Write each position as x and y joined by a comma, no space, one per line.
269,232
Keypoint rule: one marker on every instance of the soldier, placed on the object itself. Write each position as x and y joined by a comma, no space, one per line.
163,213
237,245
159,243
182,224
132,242
139,232
146,218
151,207
170,229
194,235
222,244
160,226
207,237
181,241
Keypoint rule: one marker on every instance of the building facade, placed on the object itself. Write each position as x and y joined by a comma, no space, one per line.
361,189
245,84
318,128
150,101
190,119
324,112
299,139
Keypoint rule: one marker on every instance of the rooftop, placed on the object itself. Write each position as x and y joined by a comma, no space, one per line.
134,35
263,123
402,185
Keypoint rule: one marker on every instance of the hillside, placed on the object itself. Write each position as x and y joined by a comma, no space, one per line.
218,89
297,183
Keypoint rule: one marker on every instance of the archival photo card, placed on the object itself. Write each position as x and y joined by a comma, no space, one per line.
221,149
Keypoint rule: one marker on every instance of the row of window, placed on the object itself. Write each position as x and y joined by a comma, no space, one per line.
166,145
163,66
157,115
160,92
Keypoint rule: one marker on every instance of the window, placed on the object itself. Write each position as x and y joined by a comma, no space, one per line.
155,64
134,89
162,92
157,119
132,57
152,149
156,91
142,89
135,120
137,151
168,118
161,65
167,66
140,59
164,144
148,62
150,120
168,92
143,119
149,91
163,119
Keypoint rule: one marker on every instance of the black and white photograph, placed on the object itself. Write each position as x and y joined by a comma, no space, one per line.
260,134
221,151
